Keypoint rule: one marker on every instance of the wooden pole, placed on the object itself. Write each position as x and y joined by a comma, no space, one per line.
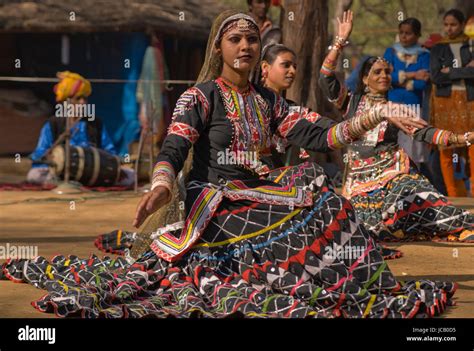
67,149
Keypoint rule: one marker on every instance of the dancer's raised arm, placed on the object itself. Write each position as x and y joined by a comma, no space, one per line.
336,92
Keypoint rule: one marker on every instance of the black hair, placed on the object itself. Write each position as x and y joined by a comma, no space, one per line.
456,14
414,23
269,54
364,71
273,50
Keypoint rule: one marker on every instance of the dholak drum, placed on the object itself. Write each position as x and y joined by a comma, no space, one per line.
88,165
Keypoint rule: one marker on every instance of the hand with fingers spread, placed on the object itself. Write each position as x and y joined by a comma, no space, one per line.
403,118
343,32
150,203
407,124
345,25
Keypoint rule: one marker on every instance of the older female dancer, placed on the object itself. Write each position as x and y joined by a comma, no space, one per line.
388,193
255,242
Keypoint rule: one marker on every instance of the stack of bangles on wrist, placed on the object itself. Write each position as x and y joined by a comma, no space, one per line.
329,66
339,43
366,121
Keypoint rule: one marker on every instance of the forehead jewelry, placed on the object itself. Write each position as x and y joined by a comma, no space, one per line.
243,24
378,60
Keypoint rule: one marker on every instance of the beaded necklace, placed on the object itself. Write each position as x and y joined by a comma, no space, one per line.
249,116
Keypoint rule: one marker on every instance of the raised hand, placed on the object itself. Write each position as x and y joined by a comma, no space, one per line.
345,25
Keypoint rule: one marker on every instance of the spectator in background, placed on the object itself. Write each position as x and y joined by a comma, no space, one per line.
452,72
411,63
72,89
434,167
258,9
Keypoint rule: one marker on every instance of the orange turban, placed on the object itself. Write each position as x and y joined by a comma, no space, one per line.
71,85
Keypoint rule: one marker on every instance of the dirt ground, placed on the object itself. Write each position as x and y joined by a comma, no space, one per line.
57,227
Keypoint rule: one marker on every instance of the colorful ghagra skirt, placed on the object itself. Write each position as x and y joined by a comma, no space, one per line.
409,208
254,259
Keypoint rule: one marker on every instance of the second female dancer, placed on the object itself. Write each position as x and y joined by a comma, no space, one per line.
387,191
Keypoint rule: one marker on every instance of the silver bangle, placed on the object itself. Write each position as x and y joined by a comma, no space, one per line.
339,43
466,136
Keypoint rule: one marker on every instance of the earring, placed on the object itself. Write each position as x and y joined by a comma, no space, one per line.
366,89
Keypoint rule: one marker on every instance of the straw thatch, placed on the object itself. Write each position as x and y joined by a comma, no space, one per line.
72,16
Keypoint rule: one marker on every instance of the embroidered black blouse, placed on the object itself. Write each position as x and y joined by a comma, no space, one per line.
376,157
230,130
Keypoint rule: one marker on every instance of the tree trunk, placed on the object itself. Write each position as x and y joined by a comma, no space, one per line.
304,28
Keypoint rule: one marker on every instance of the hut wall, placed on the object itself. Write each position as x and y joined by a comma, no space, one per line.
94,55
